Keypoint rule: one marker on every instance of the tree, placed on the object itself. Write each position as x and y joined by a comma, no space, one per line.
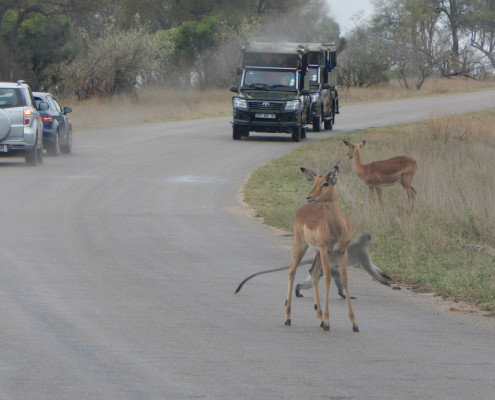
409,28
480,26
112,64
365,60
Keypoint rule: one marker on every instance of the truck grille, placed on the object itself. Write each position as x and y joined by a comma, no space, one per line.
265,106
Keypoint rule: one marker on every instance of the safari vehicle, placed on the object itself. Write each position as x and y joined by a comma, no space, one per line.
322,60
273,94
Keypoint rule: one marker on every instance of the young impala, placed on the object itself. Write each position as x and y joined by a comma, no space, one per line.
323,226
382,173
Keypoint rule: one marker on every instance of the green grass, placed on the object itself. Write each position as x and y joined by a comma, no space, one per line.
447,244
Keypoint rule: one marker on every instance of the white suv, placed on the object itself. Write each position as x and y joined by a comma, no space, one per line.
21,128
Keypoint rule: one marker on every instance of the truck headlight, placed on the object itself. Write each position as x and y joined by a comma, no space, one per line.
292,105
315,97
239,103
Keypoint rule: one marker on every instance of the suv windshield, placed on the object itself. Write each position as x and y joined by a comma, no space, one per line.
11,97
267,78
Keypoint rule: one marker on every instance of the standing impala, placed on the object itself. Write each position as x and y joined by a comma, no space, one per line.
323,226
382,173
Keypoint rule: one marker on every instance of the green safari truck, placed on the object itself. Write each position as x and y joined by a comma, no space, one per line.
273,95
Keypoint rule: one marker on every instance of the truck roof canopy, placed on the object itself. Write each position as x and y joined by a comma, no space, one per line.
286,54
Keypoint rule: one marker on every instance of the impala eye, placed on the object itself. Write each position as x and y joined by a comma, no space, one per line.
324,184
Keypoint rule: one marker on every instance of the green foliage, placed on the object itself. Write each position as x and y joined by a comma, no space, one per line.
195,37
364,61
112,64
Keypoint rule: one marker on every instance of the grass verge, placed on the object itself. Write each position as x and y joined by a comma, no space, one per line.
447,244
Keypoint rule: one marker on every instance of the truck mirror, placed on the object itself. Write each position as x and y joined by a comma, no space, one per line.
326,86
234,89
238,71
305,92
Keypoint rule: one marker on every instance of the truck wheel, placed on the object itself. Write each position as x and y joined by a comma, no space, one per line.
296,134
317,124
236,133
303,132
328,124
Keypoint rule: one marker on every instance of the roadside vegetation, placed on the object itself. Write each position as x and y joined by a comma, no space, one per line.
447,244
158,104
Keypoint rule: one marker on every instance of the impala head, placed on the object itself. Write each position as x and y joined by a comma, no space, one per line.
353,147
323,185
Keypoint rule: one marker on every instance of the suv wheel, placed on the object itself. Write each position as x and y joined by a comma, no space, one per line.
53,149
67,147
31,157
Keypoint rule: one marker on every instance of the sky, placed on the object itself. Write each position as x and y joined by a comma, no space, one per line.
343,10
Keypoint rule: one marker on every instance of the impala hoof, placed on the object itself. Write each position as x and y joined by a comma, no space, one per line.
355,328
287,322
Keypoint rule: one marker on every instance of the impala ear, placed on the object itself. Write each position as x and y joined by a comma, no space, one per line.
332,174
363,142
348,144
310,175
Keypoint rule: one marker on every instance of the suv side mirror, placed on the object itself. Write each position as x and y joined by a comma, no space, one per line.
234,89
326,86
305,92
67,110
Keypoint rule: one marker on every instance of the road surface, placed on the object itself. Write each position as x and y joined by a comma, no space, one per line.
120,261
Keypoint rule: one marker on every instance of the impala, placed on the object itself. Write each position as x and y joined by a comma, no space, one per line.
383,173
323,226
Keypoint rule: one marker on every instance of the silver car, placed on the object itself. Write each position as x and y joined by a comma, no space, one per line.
21,128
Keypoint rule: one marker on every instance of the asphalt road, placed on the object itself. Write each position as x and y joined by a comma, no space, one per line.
120,261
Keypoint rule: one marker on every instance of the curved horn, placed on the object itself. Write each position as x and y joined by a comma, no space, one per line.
336,166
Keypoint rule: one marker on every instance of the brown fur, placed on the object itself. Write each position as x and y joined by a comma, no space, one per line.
325,226
386,172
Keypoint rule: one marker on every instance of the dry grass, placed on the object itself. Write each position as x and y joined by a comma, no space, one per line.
159,104
154,105
446,245
393,90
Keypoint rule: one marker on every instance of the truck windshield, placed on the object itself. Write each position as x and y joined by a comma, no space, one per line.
313,76
269,79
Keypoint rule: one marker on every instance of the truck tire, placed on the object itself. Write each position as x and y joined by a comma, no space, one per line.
317,124
296,134
328,124
236,133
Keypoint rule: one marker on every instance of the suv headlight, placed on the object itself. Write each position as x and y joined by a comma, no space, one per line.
239,103
292,105
315,97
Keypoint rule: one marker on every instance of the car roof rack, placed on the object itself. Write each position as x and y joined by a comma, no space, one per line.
21,82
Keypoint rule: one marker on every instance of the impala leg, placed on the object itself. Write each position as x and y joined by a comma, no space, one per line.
370,193
343,273
316,278
379,193
405,181
298,250
325,261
